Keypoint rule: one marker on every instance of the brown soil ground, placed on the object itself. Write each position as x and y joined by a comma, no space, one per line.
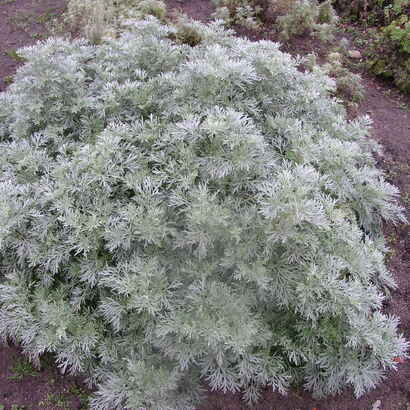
22,22
23,387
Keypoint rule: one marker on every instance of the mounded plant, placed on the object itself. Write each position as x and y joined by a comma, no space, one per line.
174,215
96,19
309,17
348,85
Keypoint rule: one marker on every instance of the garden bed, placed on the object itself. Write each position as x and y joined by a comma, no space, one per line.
24,22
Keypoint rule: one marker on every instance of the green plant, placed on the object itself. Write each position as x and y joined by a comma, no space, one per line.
13,54
401,105
391,239
8,80
348,85
391,253
391,52
22,368
55,400
153,7
45,17
243,12
173,214
21,20
187,33
373,12
309,17
96,19
82,396
223,14
389,37
246,16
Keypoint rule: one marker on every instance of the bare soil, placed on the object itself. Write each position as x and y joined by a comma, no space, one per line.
195,9
22,22
24,387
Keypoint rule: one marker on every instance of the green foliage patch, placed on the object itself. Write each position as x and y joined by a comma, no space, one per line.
390,39
293,17
22,368
96,19
309,17
391,52
172,215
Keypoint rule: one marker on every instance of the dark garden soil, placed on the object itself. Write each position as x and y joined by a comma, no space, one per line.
23,387
22,22
195,9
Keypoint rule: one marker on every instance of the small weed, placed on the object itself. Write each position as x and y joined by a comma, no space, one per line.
2,407
361,41
391,174
81,395
401,105
349,86
22,20
21,368
47,16
391,253
54,400
387,92
396,169
154,8
38,36
7,80
17,407
12,53
3,3
391,239
19,21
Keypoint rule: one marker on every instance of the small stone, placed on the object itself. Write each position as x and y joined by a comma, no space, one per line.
355,54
